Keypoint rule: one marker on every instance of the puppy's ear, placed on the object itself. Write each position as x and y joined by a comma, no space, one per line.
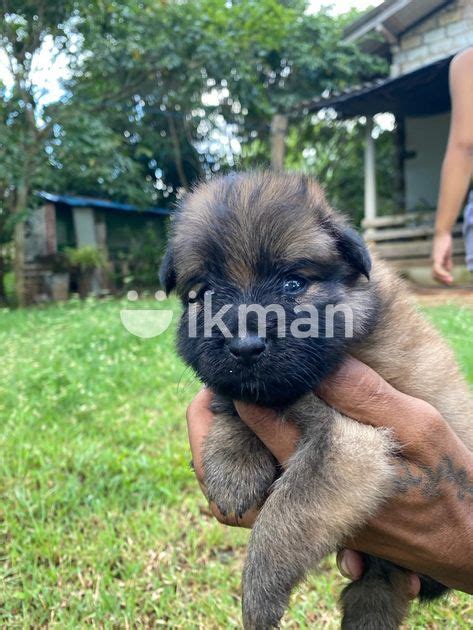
167,272
353,249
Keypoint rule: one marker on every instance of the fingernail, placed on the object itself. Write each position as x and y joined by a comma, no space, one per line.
350,564
343,566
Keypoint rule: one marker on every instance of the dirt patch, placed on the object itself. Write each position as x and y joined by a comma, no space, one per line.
427,296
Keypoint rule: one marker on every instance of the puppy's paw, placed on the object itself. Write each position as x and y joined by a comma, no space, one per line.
271,568
237,485
261,610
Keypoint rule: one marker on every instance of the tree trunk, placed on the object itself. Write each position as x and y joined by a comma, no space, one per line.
177,153
19,240
278,132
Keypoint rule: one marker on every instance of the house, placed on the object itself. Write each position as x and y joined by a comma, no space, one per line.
419,39
123,234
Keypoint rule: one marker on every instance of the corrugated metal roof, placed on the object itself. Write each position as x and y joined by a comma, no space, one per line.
91,202
423,92
393,17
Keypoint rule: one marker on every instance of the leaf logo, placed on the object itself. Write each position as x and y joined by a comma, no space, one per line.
146,322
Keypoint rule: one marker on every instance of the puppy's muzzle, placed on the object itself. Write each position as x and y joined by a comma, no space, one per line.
248,349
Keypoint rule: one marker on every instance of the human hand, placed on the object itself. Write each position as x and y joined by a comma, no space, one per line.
442,260
427,526
280,437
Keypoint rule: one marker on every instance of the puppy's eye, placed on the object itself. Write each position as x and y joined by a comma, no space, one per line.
293,285
197,293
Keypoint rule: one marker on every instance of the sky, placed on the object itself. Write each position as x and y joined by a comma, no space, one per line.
48,70
48,73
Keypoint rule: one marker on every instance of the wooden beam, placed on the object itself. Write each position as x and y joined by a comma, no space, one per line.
391,220
391,38
403,233
414,249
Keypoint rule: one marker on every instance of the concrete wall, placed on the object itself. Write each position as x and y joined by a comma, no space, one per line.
427,137
446,32
40,232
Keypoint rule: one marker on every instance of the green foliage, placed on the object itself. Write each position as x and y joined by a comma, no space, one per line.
333,151
102,523
161,94
9,288
86,258
151,66
144,258
277,56
24,27
133,125
89,158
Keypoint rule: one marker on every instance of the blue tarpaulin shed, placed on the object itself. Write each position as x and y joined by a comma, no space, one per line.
91,202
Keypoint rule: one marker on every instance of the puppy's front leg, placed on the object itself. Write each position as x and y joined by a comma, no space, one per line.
337,478
238,468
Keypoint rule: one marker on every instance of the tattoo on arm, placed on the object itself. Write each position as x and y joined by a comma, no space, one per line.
429,479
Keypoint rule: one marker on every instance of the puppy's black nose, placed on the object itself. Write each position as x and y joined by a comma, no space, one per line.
247,349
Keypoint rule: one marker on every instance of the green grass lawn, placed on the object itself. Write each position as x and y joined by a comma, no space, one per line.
101,521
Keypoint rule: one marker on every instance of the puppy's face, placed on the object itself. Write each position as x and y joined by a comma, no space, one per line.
258,261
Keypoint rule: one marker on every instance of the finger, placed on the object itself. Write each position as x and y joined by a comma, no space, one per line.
199,421
278,436
360,393
350,564
441,274
414,585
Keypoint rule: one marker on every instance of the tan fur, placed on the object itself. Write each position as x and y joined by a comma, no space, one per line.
287,236
342,470
362,480
408,352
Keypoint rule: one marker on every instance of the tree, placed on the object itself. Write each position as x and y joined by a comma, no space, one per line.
159,94
333,151
143,75
258,60
277,57
24,28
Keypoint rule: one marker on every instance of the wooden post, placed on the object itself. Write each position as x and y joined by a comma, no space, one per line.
400,157
370,173
19,241
19,263
278,141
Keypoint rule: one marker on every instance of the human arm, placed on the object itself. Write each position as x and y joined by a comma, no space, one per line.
457,168
428,526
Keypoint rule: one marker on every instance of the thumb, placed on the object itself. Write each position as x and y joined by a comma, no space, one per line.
279,437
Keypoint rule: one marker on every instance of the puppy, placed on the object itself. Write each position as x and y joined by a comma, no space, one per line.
247,243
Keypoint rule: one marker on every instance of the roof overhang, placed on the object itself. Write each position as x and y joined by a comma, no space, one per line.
103,204
384,25
423,92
